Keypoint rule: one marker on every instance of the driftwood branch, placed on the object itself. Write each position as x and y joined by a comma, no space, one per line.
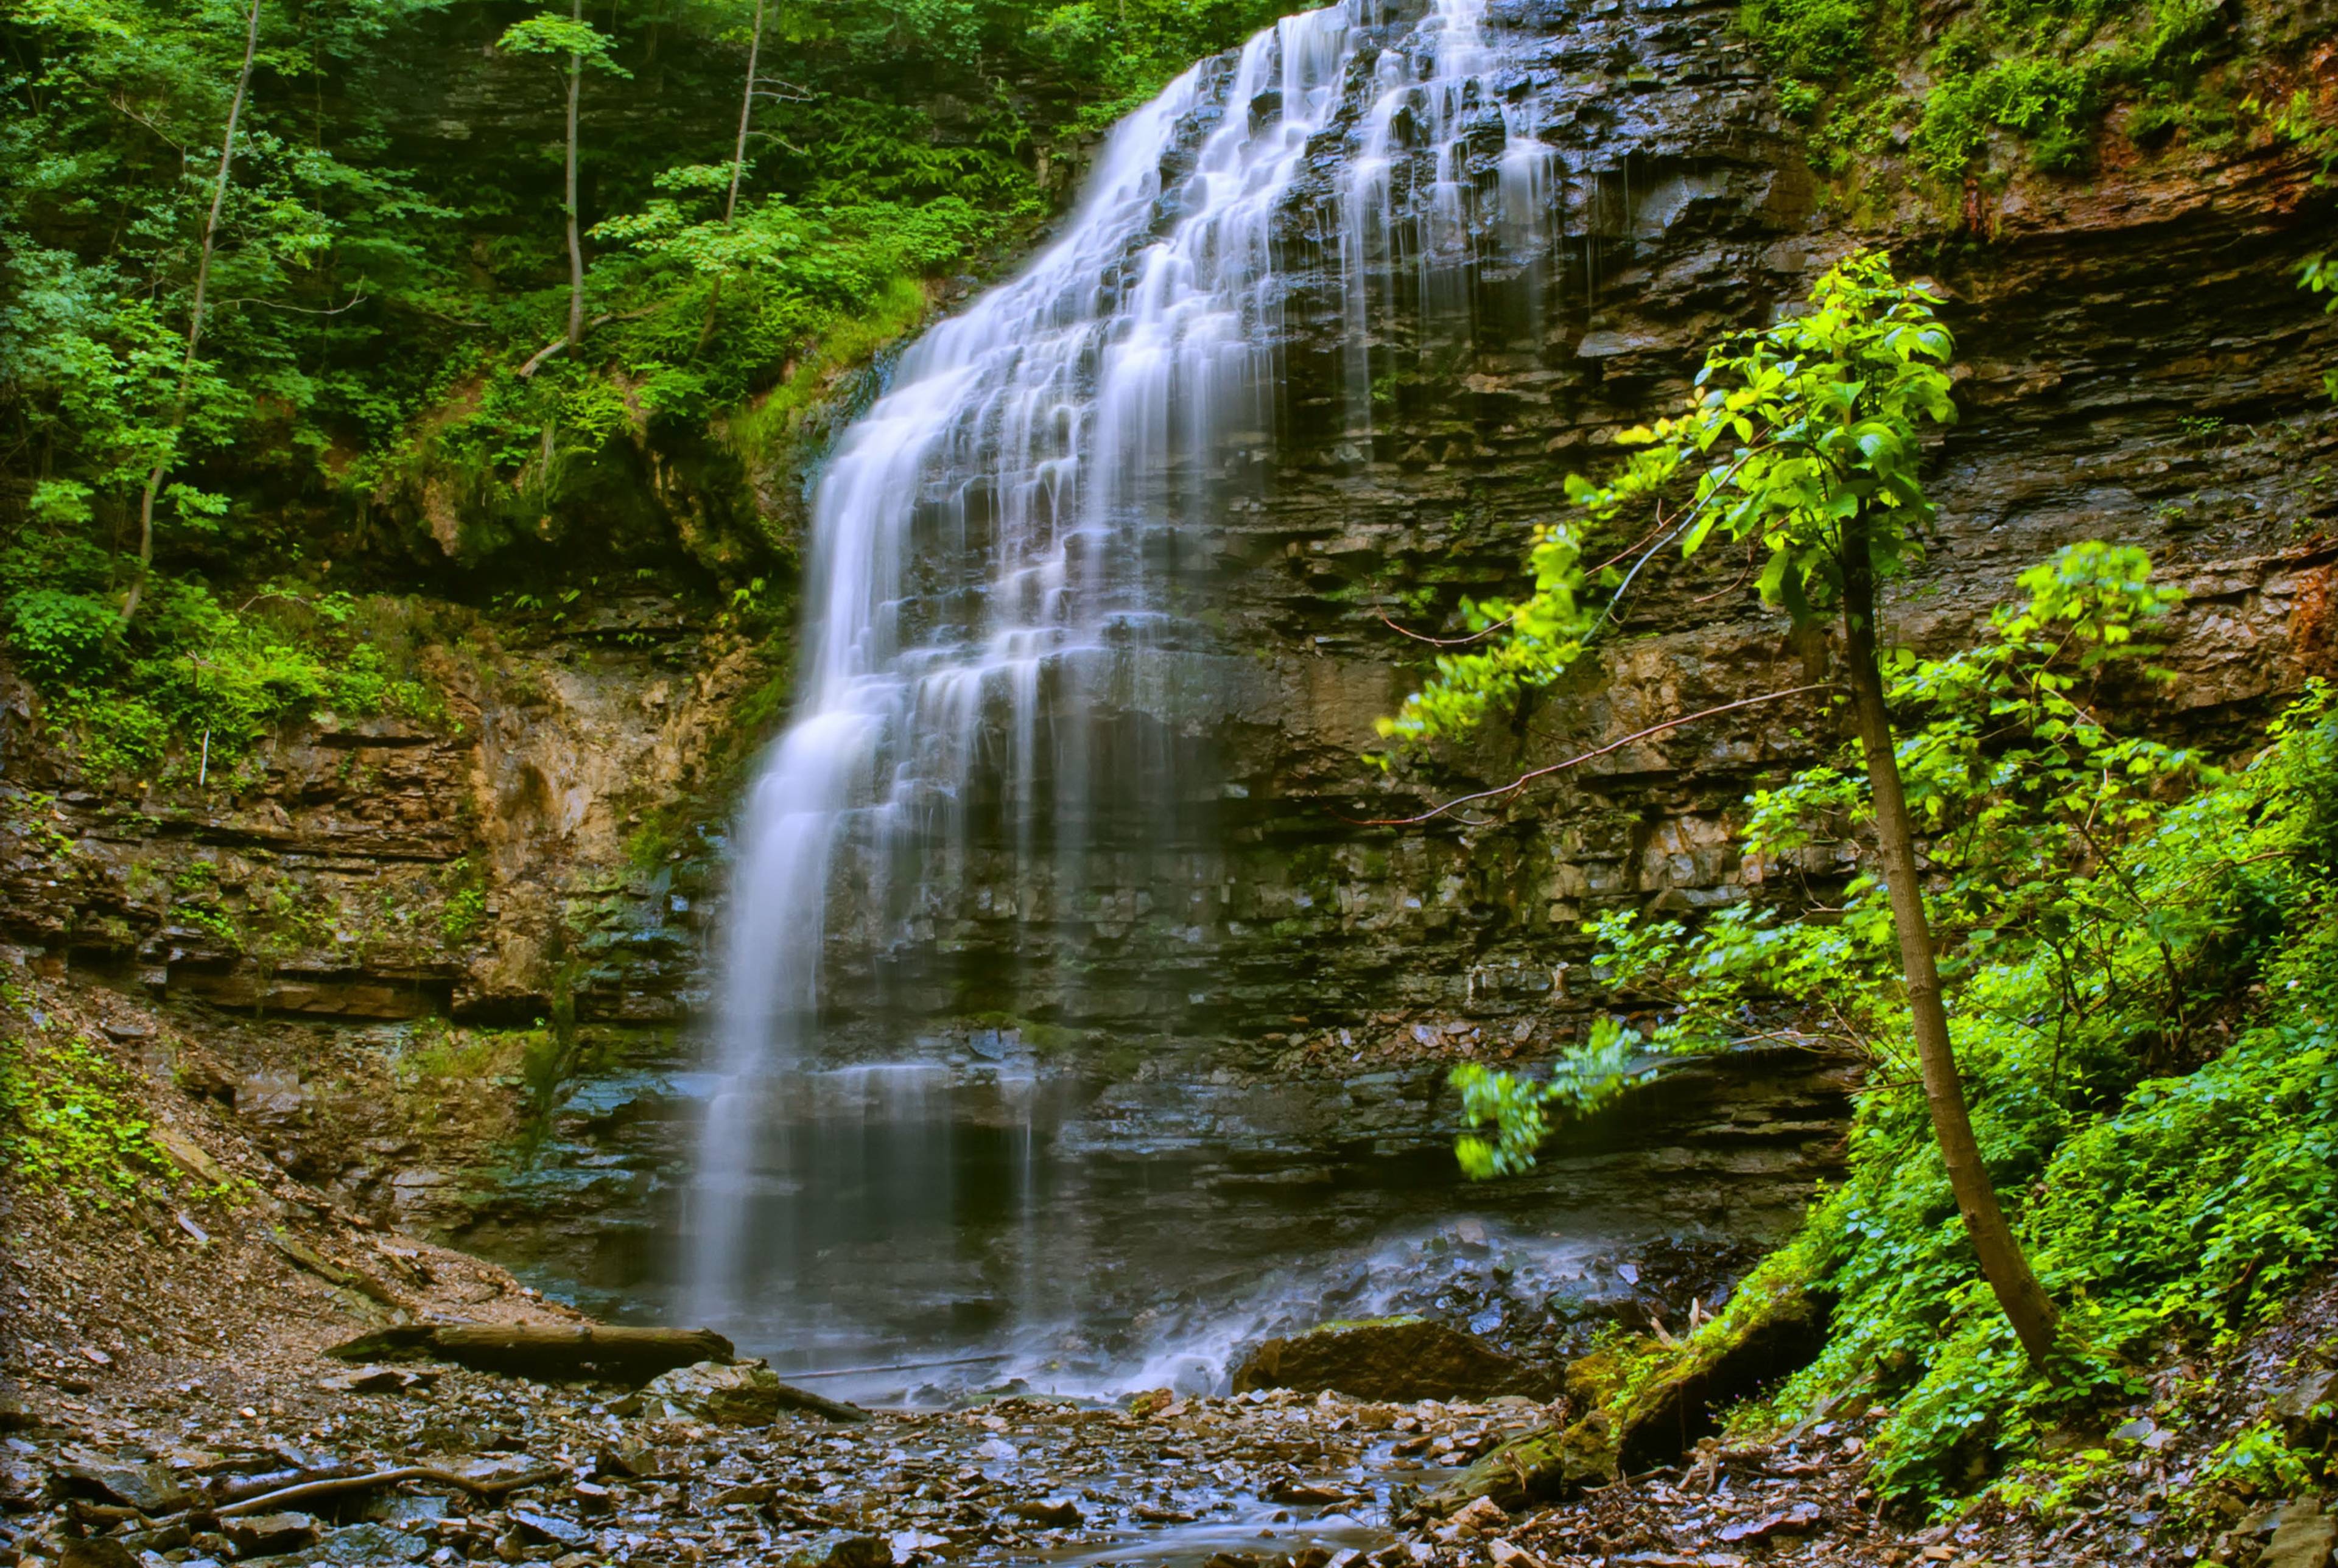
331,1486
334,1485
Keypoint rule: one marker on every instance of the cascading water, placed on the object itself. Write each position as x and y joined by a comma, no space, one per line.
997,683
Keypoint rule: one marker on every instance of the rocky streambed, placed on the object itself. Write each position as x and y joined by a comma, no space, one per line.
442,1466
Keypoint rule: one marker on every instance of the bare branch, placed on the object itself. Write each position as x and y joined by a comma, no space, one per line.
1445,642
1523,780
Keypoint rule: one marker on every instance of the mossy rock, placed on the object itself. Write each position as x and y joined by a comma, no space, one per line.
1396,1358
1652,1401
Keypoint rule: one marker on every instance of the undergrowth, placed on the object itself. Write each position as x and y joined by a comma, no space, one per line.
2011,82
69,1121
2142,960
198,680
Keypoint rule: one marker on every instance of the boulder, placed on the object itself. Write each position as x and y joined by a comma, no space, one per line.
1396,1358
745,1395
2305,1407
2302,1539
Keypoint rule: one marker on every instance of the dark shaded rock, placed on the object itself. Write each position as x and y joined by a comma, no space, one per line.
841,1549
1400,1359
367,1545
270,1534
1055,1513
169,1538
2306,1406
548,1527
98,1551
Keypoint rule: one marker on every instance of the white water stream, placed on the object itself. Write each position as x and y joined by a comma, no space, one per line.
995,543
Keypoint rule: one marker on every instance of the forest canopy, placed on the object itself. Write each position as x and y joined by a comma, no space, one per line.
385,249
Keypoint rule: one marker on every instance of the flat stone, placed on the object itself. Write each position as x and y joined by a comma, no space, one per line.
1800,1520
549,1527
99,1552
367,1545
376,1380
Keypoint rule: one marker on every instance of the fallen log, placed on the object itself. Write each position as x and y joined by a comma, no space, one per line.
794,1398
550,1350
1651,1402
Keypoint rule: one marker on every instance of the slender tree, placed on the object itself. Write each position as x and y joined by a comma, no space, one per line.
1803,443
569,190
582,45
194,314
738,165
746,114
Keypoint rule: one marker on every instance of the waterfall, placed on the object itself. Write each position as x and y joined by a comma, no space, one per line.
1004,547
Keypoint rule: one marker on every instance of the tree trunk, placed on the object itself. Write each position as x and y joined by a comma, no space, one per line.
746,111
575,240
737,166
195,318
2002,1262
542,1350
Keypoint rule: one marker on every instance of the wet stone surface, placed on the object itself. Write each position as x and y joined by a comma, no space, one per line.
1160,1479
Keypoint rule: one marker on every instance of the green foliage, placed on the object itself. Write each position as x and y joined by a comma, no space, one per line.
2319,275
1792,432
1610,1061
579,44
194,667
68,1119
2145,1013
465,913
58,637
2038,80
376,286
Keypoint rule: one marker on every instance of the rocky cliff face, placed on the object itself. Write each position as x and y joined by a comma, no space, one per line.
491,867
2135,365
